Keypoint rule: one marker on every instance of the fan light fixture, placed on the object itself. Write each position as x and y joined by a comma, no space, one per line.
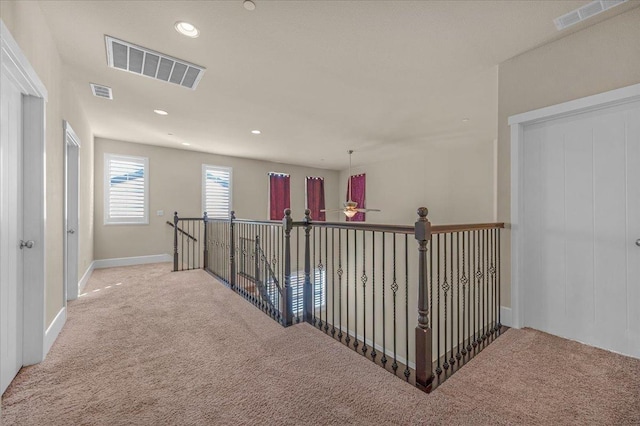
350,208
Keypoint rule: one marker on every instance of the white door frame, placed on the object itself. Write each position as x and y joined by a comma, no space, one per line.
71,216
518,123
16,67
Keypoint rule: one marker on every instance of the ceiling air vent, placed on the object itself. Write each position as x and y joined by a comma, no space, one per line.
142,61
585,12
101,91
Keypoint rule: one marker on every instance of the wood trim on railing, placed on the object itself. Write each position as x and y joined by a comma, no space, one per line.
444,229
362,226
398,229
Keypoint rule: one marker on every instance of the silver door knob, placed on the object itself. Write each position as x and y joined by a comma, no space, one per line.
638,242
28,244
71,231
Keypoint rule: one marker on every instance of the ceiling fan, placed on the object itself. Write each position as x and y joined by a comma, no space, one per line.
350,208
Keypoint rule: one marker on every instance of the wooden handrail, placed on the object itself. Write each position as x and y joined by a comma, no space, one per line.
444,229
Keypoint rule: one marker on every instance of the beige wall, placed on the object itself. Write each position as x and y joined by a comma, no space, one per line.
453,179
175,183
27,24
603,57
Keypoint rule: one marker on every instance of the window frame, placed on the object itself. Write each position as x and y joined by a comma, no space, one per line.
108,158
205,168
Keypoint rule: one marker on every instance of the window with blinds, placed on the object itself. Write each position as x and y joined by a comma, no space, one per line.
318,281
216,191
126,189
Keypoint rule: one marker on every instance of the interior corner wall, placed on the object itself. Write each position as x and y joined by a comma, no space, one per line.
603,57
454,179
175,184
28,25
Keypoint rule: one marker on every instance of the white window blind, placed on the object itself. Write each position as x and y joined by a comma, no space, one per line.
126,189
216,191
297,290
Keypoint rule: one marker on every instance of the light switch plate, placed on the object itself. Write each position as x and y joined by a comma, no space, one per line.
160,212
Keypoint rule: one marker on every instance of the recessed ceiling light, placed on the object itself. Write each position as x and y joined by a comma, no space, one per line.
256,132
186,143
187,29
249,5
465,120
160,112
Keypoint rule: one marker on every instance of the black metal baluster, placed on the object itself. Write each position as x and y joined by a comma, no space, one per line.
465,310
431,282
452,360
364,296
298,283
340,272
313,272
407,372
494,314
355,291
445,287
476,272
459,317
484,286
498,268
347,338
438,286
333,282
394,288
325,280
373,296
319,273
383,360
182,239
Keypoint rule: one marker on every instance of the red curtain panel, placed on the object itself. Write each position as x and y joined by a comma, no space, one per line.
357,195
315,198
279,195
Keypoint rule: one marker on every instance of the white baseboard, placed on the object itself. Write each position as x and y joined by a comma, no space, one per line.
54,329
129,261
85,278
505,316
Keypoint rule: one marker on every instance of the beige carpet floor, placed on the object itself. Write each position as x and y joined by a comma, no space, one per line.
146,346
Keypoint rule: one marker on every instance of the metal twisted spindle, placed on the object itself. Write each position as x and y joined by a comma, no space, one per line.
364,296
373,296
394,288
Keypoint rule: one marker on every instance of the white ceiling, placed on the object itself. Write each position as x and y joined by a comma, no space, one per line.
316,77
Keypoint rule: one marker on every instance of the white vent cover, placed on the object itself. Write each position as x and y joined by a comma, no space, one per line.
101,91
142,61
585,12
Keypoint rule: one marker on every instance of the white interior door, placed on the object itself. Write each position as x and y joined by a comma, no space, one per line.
72,213
581,200
11,254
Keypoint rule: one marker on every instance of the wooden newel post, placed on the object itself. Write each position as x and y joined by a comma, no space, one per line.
232,252
424,374
307,294
205,262
287,308
175,241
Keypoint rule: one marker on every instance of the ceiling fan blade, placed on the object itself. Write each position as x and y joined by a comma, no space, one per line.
368,210
331,210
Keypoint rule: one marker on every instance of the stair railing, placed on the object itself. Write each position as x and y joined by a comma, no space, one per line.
362,284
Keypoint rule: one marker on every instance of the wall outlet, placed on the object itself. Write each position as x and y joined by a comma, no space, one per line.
160,212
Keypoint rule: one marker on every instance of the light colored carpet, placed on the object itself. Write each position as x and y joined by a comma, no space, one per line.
165,348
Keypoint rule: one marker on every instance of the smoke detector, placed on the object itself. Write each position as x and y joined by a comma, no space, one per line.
139,60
